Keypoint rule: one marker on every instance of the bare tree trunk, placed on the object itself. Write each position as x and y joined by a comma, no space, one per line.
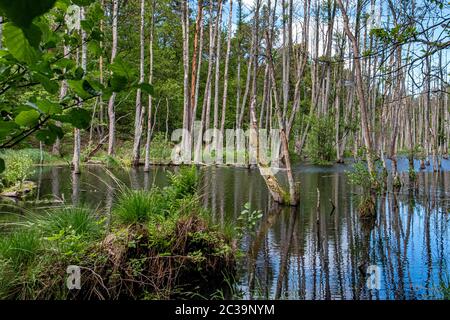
77,134
186,140
217,79
62,93
150,99
196,60
139,110
101,116
205,120
293,196
225,76
359,90
111,112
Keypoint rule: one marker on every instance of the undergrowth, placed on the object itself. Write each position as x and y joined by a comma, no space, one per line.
158,245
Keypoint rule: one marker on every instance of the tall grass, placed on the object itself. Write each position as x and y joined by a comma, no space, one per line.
82,220
138,206
20,248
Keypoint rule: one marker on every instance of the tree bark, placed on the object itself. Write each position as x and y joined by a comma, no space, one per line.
359,90
111,111
139,110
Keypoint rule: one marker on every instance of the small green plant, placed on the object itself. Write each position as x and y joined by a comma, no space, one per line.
370,183
184,182
248,219
360,176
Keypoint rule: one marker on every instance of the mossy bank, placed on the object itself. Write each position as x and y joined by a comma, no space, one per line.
155,245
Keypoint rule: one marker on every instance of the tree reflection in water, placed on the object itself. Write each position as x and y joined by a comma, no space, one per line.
319,250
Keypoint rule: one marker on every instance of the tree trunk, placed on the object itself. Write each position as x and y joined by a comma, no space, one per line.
150,99
139,110
360,91
225,76
77,134
111,112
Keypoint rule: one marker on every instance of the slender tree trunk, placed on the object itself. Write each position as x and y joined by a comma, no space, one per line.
217,78
111,112
359,90
196,60
62,93
186,140
150,99
225,76
139,109
77,134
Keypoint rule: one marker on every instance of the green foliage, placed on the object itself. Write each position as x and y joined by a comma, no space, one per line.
369,183
22,12
20,247
160,149
138,206
33,68
19,44
320,147
81,221
360,176
165,224
248,219
183,183
19,166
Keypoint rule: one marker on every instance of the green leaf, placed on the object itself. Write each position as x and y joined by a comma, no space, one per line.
82,3
80,118
94,48
46,136
49,107
19,45
82,88
120,67
147,88
79,73
57,130
2,165
50,86
118,83
27,118
6,128
22,12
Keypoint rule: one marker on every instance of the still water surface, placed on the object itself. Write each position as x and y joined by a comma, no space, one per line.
315,251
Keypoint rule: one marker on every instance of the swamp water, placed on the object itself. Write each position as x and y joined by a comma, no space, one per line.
315,251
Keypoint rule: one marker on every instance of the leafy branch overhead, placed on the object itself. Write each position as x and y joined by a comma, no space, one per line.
34,34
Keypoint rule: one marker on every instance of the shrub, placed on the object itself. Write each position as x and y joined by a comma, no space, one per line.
160,148
320,146
370,184
19,166
183,183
